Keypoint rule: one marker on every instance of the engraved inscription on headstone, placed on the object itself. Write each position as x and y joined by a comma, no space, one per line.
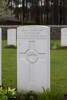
33,58
0,56
64,37
11,37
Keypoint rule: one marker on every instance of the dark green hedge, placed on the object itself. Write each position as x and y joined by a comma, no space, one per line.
28,23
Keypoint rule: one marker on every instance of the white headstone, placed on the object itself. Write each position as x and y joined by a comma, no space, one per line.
64,37
11,37
33,58
0,56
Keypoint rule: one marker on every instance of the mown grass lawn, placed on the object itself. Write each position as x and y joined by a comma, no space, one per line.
58,67
9,65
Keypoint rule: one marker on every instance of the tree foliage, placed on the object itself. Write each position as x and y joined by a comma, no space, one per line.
45,10
4,11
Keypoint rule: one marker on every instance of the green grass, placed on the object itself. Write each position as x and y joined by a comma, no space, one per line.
9,65
58,67
59,70
55,42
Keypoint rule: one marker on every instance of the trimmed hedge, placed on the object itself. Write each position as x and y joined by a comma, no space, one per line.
28,23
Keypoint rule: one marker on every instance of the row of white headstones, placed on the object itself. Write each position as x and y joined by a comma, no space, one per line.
33,56
12,37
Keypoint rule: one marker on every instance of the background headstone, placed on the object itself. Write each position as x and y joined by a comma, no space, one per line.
0,56
11,37
64,37
33,58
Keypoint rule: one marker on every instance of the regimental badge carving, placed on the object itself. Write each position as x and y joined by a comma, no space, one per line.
32,56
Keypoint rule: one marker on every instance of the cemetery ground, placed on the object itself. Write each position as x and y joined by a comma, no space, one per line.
58,60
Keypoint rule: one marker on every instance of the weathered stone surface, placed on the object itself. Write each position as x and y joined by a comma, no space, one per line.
11,37
33,58
64,37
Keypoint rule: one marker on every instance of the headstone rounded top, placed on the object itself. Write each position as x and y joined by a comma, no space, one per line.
33,55
33,27
64,29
